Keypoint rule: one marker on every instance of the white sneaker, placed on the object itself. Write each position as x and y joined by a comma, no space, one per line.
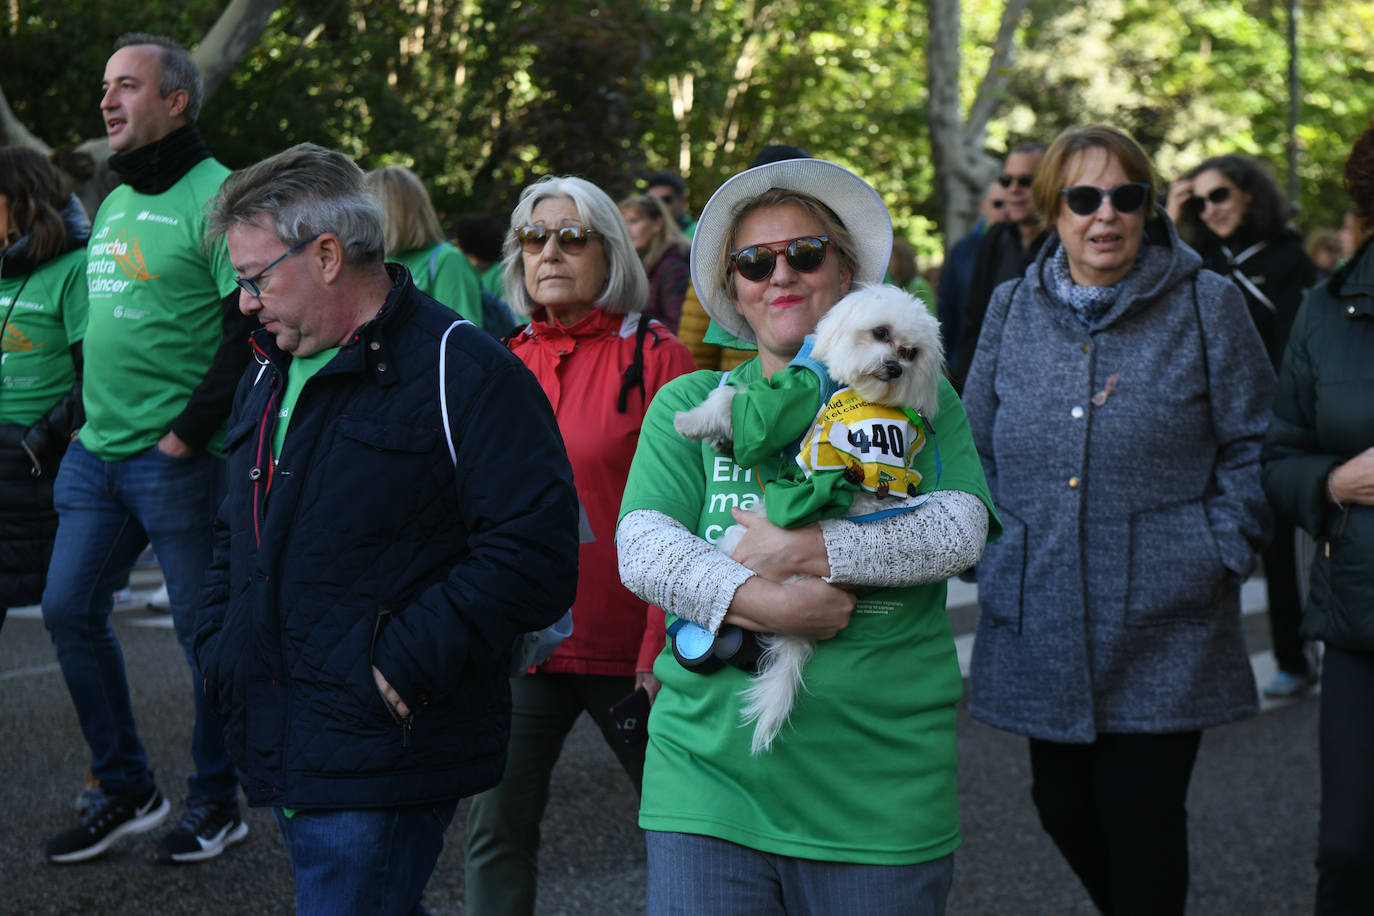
160,600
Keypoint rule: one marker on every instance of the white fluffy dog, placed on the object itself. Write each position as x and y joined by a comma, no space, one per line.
884,345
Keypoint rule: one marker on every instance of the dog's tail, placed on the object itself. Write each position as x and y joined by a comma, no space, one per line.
768,698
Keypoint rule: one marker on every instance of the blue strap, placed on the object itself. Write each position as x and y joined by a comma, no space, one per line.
804,360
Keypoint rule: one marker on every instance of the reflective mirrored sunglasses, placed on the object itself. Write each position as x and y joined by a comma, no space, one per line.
250,284
572,239
1024,181
803,254
1084,199
1218,195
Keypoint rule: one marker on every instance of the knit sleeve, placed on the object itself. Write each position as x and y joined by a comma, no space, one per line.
942,538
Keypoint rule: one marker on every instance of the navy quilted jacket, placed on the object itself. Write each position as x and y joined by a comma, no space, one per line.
367,546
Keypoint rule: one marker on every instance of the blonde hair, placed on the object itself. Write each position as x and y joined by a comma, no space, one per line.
667,234
411,222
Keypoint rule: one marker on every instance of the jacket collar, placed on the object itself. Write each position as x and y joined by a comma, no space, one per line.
1171,263
1355,280
600,323
367,348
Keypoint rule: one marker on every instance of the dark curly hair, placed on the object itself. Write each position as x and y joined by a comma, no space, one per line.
1268,212
34,190
1359,176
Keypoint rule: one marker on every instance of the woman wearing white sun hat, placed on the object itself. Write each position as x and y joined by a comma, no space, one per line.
853,809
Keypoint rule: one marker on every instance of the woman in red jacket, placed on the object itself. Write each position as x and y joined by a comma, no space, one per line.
571,268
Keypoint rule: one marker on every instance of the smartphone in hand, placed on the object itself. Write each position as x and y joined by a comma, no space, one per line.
631,716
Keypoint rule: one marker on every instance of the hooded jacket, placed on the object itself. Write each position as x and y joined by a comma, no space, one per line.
374,541
1324,416
1124,460
582,370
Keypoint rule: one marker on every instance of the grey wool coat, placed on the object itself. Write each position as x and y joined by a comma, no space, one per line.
1124,460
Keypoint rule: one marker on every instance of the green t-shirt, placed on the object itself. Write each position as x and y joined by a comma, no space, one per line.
445,273
301,370
865,770
154,311
36,367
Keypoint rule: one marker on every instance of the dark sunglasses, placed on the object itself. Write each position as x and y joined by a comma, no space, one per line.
1084,199
250,284
1218,195
803,254
572,239
997,204
1024,181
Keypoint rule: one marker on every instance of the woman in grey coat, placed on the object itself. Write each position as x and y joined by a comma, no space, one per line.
1118,398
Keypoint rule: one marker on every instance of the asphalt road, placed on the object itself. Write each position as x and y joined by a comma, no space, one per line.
1253,812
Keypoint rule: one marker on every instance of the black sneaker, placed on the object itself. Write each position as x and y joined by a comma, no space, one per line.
104,822
205,831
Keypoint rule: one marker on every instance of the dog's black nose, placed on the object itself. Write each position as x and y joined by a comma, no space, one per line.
891,369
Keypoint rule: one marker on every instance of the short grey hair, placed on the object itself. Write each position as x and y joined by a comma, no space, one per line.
627,285
306,190
179,70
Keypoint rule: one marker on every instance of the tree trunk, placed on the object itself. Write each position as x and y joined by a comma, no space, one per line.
962,167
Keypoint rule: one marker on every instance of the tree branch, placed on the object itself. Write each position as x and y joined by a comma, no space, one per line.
231,37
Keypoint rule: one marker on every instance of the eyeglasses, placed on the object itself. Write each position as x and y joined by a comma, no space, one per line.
668,199
572,239
250,284
1024,181
1084,199
1218,195
803,254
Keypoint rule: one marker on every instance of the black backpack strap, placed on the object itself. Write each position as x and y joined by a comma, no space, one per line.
634,372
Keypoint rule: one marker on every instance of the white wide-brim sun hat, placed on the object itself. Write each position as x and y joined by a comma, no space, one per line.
857,205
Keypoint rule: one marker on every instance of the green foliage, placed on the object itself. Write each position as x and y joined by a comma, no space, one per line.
480,97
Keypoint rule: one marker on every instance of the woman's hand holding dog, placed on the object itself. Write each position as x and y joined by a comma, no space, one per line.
806,607
778,553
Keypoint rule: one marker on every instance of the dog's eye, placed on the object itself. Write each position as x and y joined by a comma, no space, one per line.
881,333
907,353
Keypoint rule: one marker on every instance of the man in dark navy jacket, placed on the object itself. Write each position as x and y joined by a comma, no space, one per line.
400,508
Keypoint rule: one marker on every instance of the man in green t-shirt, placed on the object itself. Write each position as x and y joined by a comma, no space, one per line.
164,347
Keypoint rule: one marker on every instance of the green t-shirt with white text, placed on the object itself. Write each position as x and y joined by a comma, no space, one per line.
49,315
154,311
865,769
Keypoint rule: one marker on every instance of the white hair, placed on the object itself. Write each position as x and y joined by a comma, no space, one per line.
627,285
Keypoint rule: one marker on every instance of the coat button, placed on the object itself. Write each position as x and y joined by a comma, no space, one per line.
374,346
381,367
254,473
1087,347
1073,483
1350,309
1077,412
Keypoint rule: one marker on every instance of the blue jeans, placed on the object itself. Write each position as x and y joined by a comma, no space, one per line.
374,861
690,875
107,512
